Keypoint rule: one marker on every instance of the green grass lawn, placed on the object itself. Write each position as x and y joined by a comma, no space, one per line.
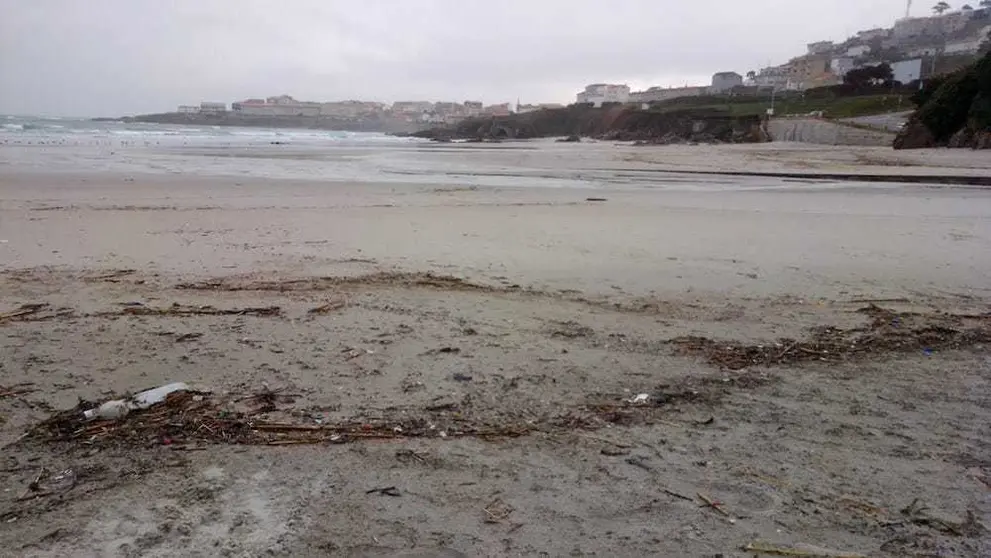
831,107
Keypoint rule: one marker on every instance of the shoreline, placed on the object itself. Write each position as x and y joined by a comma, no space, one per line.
938,179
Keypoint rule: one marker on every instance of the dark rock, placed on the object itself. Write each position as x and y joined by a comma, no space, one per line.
614,123
982,140
570,139
915,135
953,110
962,138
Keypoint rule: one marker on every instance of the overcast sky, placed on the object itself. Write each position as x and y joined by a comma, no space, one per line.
115,57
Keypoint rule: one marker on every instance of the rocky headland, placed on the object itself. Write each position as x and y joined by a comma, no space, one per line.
952,111
618,123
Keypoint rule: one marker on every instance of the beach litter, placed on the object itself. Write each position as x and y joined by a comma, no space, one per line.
49,483
117,408
718,506
914,332
640,399
186,417
329,307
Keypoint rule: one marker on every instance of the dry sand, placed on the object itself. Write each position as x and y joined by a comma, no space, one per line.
815,358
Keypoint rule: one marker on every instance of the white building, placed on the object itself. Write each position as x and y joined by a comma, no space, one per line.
412,107
907,71
776,77
283,105
659,94
502,109
821,47
188,109
964,46
858,51
207,107
725,81
473,108
350,109
922,51
871,34
523,109
841,65
598,93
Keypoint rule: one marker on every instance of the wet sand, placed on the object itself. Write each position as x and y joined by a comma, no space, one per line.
529,313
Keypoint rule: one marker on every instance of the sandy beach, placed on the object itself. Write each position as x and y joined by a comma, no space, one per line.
537,350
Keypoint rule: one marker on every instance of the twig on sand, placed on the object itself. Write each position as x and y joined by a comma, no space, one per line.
331,306
670,492
386,491
116,274
17,389
605,441
762,548
638,462
902,300
787,350
24,310
497,511
710,503
917,514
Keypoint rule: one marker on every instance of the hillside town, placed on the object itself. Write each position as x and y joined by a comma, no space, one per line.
915,48
425,112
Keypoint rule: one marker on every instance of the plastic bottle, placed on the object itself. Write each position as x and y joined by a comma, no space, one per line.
118,408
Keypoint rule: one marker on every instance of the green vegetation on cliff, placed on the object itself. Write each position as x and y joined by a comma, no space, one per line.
830,104
953,110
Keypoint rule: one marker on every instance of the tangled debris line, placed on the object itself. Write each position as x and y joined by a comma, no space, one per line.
36,312
191,417
17,389
177,309
194,418
379,279
887,332
44,312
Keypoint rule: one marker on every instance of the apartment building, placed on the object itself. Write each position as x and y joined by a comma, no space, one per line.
412,107
659,94
598,93
723,82
208,107
281,105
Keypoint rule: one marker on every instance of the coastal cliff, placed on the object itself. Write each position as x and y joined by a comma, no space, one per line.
952,111
620,123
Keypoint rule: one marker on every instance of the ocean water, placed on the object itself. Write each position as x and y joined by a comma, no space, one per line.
26,130
69,145
73,145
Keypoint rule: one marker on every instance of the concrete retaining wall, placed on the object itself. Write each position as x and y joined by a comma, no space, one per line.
816,130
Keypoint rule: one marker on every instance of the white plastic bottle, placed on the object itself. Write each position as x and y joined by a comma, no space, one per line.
118,408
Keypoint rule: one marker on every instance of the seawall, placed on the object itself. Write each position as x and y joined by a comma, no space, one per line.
825,132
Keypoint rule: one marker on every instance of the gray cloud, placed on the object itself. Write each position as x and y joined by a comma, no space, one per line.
109,57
